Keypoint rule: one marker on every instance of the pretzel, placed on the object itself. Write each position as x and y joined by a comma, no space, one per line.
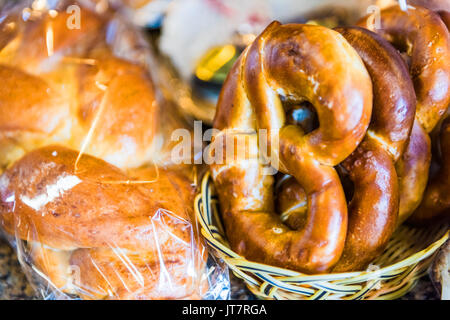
84,219
297,62
435,204
373,208
425,38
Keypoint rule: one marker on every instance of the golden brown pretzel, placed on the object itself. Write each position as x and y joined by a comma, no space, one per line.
84,217
394,98
373,208
435,204
423,36
297,62
425,39
291,71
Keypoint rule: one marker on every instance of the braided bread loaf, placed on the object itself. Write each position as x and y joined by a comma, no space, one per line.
88,227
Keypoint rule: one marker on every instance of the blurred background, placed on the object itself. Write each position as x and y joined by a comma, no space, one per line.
199,40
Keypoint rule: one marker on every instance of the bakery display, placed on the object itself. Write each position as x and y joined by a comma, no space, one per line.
324,174
377,96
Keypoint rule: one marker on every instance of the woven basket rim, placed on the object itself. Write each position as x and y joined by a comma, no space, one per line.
215,237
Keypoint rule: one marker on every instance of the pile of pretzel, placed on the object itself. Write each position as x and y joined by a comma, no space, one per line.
87,187
358,166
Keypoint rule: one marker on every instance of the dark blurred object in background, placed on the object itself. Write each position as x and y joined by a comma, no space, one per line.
201,39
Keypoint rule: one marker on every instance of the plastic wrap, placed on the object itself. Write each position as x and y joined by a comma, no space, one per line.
90,196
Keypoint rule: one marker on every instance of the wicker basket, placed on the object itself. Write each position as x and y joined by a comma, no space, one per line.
390,276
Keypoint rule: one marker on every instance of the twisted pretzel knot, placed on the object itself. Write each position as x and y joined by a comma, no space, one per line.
297,62
373,209
392,157
424,37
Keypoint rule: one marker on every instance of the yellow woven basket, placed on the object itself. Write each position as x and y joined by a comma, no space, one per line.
406,259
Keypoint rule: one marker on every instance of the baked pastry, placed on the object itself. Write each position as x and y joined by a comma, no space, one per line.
89,190
435,205
298,62
424,38
373,209
82,81
94,235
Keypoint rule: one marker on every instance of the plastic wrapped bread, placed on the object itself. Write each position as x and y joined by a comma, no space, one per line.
89,194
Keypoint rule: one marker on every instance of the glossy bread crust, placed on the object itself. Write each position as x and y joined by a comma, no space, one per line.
423,36
74,80
92,217
373,208
435,205
295,62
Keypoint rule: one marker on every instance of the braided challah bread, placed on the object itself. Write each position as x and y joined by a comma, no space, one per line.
56,96
89,190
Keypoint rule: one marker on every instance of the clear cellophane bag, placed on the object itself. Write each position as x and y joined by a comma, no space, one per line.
119,223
